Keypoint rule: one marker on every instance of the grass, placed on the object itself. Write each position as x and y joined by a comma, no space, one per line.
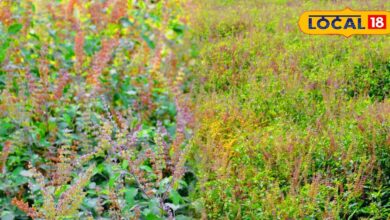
291,126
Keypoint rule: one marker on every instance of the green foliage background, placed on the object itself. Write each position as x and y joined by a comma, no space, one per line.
292,126
203,109
93,121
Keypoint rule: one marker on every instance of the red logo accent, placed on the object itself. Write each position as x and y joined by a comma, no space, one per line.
377,22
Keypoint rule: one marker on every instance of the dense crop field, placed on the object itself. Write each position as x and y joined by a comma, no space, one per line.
178,109
290,126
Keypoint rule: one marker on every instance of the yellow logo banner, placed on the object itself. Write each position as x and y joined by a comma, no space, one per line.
345,22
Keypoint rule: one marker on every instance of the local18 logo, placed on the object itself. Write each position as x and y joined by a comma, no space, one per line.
345,22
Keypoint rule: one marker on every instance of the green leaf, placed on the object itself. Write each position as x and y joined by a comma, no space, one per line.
125,164
125,22
91,45
130,194
58,192
152,216
175,197
26,173
68,119
2,54
15,28
5,128
113,179
146,168
148,41
3,50
7,215
182,217
178,28
34,36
